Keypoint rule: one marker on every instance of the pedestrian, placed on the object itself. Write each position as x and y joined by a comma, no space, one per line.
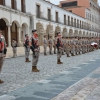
59,48
3,51
27,48
14,48
45,43
34,45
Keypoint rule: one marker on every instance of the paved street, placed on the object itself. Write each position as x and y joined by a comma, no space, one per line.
77,79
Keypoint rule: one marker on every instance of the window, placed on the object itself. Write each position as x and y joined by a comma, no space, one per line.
38,10
57,17
2,2
23,7
68,4
14,4
64,19
49,14
68,20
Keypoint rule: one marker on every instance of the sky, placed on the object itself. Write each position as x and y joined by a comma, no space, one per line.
57,1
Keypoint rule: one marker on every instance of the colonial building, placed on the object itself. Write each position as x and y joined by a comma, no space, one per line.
18,17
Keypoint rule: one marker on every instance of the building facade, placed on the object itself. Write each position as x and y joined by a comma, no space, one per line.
19,17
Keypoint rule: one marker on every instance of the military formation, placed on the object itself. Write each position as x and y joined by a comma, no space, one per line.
69,46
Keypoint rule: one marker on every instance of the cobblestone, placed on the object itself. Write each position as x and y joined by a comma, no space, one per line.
16,73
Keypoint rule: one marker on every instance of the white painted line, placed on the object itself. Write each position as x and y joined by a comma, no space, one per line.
44,81
85,63
65,72
92,60
77,67
7,97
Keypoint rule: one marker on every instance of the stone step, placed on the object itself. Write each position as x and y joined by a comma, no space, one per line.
20,51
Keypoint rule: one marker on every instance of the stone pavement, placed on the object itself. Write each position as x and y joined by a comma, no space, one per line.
52,79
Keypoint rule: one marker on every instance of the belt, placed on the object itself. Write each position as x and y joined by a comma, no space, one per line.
1,51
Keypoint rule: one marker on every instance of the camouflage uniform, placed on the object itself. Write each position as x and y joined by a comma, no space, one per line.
14,48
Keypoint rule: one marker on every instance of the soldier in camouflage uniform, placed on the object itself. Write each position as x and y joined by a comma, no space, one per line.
54,45
34,45
59,48
45,44
14,48
50,43
3,51
72,41
27,48
68,47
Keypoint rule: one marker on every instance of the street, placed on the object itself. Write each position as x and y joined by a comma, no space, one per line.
77,79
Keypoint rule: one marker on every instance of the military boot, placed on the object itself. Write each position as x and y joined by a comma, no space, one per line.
1,82
51,53
68,55
55,53
72,54
28,60
45,54
34,69
59,62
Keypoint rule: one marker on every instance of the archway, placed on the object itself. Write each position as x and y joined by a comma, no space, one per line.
58,29
65,33
24,31
71,33
80,33
83,34
4,29
49,31
14,31
40,31
76,33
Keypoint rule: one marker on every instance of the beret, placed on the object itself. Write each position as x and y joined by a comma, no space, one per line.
34,30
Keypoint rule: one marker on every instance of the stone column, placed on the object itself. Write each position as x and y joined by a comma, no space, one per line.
9,36
19,37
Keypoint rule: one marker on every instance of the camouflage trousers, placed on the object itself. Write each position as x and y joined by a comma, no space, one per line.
35,58
59,53
1,63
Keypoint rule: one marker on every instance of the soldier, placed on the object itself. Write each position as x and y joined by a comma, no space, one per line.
64,45
50,43
79,45
3,51
76,45
59,48
72,46
55,41
34,45
67,46
27,48
14,48
45,43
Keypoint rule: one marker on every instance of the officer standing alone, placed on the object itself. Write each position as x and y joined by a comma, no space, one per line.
34,45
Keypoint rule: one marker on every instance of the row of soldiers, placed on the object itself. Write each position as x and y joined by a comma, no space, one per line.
72,46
